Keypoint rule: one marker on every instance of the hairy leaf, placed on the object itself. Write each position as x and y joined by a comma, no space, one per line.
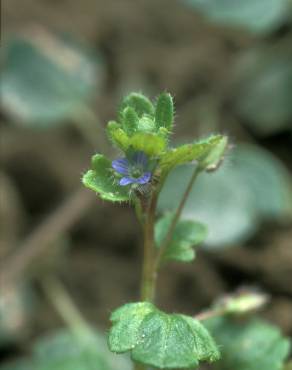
189,152
139,102
158,339
130,120
101,180
164,111
150,144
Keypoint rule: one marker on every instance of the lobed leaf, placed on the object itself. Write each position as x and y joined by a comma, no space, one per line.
158,339
100,179
186,235
189,152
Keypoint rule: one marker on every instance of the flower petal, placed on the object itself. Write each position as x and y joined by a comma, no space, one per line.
121,165
126,181
140,158
144,178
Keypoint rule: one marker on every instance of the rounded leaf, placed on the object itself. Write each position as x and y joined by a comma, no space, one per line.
100,179
158,339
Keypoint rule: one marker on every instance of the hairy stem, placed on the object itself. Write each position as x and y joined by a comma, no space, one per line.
149,273
176,217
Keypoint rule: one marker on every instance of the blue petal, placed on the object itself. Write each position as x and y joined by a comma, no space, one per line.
140,158
121,165
144,178
126,181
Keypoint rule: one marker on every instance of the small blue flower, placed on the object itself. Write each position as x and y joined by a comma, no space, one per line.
134,168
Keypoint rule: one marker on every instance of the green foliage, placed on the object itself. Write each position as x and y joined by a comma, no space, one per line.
164,111
130,120
250,345
186,235
253,187
258,16
100,179
39,86
139,103
264,89
190,152
65,351
212,160
158,339
141,127
150,144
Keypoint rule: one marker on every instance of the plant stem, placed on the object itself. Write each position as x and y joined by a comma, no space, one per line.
176,217
149,273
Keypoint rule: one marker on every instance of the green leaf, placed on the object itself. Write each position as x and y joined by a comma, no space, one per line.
146,124
263,89
251,345
130,120
87,351
46,79
234,200
117,135
139,102
189,152
62,350
215,156
186,235
101,180
150,144
256,15
164,111
158,339
258,167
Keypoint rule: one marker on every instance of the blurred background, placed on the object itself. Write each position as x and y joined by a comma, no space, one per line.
67,257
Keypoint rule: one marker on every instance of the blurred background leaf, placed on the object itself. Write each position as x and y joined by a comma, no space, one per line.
47,78
249,345
65,351
264,88
258,16
251,187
